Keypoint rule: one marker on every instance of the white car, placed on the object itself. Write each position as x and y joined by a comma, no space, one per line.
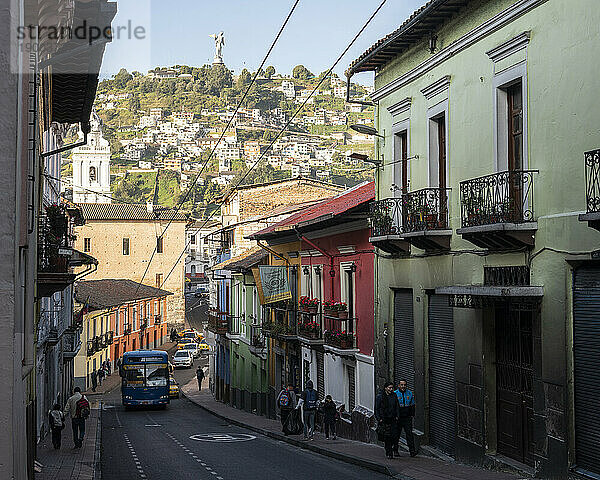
183,358
192,347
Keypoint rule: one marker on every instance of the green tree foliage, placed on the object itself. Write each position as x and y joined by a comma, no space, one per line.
122,78
300,72
244,79
218,79
270,71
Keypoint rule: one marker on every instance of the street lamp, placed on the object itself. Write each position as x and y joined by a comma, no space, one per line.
366,130
364,158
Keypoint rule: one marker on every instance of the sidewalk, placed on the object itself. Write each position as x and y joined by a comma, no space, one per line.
365,455
79,464
69,463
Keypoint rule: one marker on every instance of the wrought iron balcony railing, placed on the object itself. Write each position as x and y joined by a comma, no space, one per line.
257,339
233,324
386,217
592,180
503,197
217,322
54,238
310,326
90,348
157,319
109,337
425,209
339,332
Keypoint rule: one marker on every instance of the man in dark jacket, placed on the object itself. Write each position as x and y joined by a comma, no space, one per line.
94,378
406,412
200,377
386,412
309,400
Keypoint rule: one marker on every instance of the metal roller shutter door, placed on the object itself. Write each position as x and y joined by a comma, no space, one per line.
320,375
404,348
442,396
586,352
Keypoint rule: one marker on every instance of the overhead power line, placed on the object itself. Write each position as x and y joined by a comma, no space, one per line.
240,103
283,129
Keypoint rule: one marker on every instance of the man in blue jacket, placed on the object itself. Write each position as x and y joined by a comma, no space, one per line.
406,402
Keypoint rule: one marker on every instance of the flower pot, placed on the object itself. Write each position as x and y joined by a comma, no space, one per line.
312,309
345,344
343,314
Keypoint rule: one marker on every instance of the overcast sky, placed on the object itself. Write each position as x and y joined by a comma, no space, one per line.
177,32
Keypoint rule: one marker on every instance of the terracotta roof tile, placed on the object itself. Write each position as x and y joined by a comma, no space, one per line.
110,292
123,211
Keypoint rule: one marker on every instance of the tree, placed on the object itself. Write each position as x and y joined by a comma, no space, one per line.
134,103
270,71
244,79
219,78
122,78
302,73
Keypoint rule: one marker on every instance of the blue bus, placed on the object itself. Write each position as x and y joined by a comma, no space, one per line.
145,378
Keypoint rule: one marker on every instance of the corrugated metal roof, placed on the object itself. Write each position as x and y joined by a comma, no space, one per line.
331,207
247,259
127,211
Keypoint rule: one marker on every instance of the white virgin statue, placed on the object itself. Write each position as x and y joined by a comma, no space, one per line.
219,42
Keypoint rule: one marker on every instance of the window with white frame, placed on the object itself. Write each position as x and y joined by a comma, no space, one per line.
510,92
243,312
134,316
438,145
117,321
317,282
400,168
348,292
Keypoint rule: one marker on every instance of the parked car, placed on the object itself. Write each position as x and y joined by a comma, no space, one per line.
183,358
193,349
203,346
173,388
201,290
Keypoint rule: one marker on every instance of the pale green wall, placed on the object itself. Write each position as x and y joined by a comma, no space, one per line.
563,123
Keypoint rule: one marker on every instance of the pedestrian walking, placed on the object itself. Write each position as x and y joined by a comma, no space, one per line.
94,378
386,412
286,401
406,412
330,417
56,419
173,335
309,401
108,366
79,408
100,374
200,377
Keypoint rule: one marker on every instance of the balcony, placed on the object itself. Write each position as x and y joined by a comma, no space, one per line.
592,189
217,322
54,250
310,328
258,342
234,324
91,348
144,324
109,338
339,332
281,321
157,319
71,343
497,210
127,329
425,222
386,226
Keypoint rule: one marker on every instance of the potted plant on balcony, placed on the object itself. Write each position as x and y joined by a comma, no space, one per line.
341,309
329,308
339,339
309,329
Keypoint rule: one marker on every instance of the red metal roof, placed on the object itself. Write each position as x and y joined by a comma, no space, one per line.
331,207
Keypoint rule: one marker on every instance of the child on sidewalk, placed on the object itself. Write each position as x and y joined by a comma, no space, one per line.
57,423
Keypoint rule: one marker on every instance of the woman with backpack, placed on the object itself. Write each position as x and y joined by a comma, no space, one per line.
56,419
286,401
310,402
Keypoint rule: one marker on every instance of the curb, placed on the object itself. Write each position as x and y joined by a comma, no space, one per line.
374,466
97,464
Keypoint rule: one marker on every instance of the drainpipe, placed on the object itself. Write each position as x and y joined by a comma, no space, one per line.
66,147
324,253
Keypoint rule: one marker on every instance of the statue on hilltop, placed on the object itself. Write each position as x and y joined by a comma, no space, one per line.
219,42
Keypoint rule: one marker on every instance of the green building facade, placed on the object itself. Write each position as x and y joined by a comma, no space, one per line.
486,280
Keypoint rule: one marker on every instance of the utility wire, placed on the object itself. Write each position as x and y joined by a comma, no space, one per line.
240,103
283,129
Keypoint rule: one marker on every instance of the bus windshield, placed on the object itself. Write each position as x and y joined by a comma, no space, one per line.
145,375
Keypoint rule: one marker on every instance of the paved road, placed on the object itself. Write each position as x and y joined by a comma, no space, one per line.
160,444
